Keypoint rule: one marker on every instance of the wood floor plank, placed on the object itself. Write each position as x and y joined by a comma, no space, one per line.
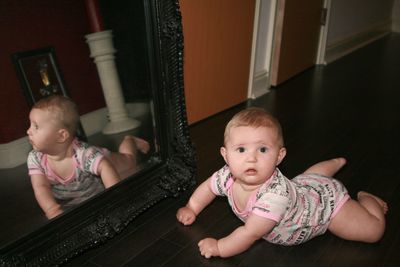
185,235
155,255
217,228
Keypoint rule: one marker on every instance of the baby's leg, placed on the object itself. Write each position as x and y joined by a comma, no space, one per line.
362,220
125,161
327,167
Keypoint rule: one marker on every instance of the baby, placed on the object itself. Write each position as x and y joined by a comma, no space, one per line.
65,171
282,211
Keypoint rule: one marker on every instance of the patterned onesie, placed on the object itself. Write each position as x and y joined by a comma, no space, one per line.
82,184
302,206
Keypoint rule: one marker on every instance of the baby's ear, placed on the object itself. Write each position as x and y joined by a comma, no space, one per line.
281,155
223,153
63,135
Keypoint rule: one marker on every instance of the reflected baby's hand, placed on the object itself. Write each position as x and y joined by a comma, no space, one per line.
209,247
53,212
186,216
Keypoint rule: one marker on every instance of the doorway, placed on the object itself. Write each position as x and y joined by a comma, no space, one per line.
283,52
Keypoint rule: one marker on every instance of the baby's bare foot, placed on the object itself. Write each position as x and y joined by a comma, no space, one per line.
382,203
141,144
340,162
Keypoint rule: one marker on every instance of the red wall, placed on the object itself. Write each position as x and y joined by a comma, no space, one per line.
27,25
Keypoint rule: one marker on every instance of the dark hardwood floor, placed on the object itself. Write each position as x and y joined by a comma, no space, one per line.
349,108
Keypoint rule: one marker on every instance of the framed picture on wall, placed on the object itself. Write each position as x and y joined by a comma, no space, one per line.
38,73
40,77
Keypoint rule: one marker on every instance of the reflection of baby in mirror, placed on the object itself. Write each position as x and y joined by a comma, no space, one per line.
65,171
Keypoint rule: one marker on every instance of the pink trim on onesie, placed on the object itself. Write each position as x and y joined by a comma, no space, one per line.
51,175
340,205
250,203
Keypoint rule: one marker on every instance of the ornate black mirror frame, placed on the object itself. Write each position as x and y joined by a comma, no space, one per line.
171,171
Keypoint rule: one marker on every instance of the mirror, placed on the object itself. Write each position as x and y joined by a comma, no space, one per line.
169,169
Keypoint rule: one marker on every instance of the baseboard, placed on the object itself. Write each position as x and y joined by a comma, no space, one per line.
14,153
351,43
260,85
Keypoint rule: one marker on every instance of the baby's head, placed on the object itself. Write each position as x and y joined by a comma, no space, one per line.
254,117
63,111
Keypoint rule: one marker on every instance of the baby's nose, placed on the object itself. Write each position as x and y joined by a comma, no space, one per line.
252,157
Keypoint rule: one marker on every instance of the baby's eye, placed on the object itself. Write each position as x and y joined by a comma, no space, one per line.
240,149
263,149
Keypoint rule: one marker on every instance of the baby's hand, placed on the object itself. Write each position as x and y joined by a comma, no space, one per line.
209,247
53,212
186,216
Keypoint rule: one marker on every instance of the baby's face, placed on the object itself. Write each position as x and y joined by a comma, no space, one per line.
252,153
42,131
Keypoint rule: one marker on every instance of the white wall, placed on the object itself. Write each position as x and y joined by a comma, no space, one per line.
356,23
353,17
396,16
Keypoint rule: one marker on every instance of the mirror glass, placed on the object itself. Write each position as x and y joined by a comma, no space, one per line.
20,212
148,34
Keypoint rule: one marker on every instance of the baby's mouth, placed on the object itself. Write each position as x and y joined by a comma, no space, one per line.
251,171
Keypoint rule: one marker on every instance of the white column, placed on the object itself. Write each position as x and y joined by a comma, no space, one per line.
102,51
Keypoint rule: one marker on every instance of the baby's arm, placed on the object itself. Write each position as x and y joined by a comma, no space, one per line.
239,240
108,173
44,196
201,197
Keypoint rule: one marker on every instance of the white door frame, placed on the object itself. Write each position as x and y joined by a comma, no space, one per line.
323,35
263,30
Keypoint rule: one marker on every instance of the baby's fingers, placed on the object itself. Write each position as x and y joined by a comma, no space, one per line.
185,219
185,216
208,247
203,251
189,220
